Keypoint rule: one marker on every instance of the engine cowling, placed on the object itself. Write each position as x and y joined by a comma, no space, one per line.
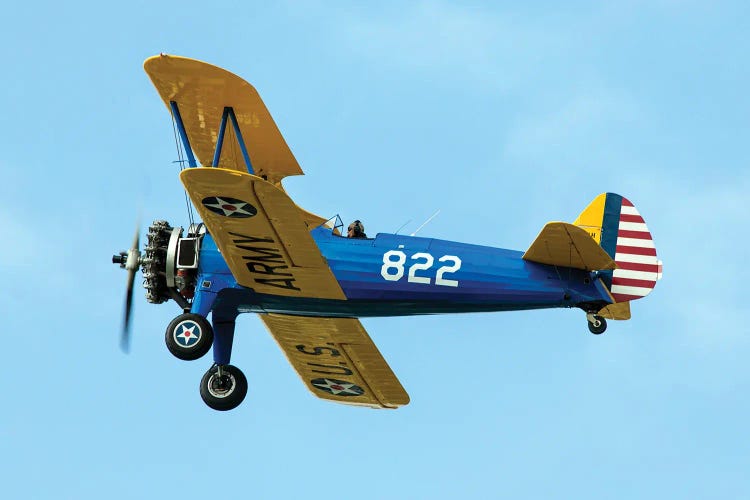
170,262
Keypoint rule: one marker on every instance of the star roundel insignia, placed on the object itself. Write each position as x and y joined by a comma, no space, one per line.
187,333
337,387
229,207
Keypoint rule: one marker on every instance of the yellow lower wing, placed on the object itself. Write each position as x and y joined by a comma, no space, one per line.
566,245
261,234
337,360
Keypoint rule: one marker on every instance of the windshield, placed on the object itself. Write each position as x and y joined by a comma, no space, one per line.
335,224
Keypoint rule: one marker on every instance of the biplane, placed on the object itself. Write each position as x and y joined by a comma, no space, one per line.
256,251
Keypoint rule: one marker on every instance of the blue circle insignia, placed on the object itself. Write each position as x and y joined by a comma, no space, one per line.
337,387
229,207
187,333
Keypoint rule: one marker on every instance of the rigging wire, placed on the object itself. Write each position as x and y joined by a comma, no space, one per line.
425,223
400,227
181,162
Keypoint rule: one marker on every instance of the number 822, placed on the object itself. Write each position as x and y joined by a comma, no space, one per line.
394,267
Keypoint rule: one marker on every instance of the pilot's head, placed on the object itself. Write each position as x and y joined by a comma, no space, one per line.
356,230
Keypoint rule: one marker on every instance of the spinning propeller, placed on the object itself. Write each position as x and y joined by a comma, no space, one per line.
130,261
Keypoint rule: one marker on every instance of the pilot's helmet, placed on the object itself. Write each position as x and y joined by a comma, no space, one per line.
357,228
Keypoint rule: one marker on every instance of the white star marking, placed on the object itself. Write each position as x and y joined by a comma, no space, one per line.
187,334
339,388
229,208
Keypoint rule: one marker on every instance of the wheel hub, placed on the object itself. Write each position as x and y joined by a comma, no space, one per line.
221,386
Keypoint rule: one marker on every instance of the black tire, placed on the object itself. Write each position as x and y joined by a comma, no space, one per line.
189,336
598,329
225,392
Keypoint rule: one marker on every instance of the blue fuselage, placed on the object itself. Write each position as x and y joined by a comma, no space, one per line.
397,275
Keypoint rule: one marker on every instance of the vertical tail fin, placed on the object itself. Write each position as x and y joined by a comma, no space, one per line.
615,223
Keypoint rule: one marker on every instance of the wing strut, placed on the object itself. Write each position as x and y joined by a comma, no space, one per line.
229,111
183,134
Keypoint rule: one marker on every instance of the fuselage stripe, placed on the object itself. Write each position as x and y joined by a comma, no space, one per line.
638,291
635,259
631,218
610,222
637,266
629,210
641,235
622,249
621,280
635,242
622,297
639,275
633,226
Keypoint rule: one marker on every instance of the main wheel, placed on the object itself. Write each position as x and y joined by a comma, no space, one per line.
223,391
598,326
189,336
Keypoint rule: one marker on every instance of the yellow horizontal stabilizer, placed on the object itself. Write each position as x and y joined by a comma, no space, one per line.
619,311
566,245
202,91
260,233
337,360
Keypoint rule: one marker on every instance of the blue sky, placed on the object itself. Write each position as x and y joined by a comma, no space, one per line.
504,116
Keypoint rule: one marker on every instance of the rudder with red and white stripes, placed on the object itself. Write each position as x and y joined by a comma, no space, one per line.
615,223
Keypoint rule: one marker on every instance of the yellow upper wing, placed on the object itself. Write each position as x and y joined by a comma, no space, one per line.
337,360
202,91
260,233
566,245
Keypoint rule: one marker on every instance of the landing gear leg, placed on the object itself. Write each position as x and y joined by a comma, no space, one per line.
223,337
597,324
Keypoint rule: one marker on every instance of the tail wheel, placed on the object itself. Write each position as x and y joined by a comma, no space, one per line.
189,336
597,324
223,387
